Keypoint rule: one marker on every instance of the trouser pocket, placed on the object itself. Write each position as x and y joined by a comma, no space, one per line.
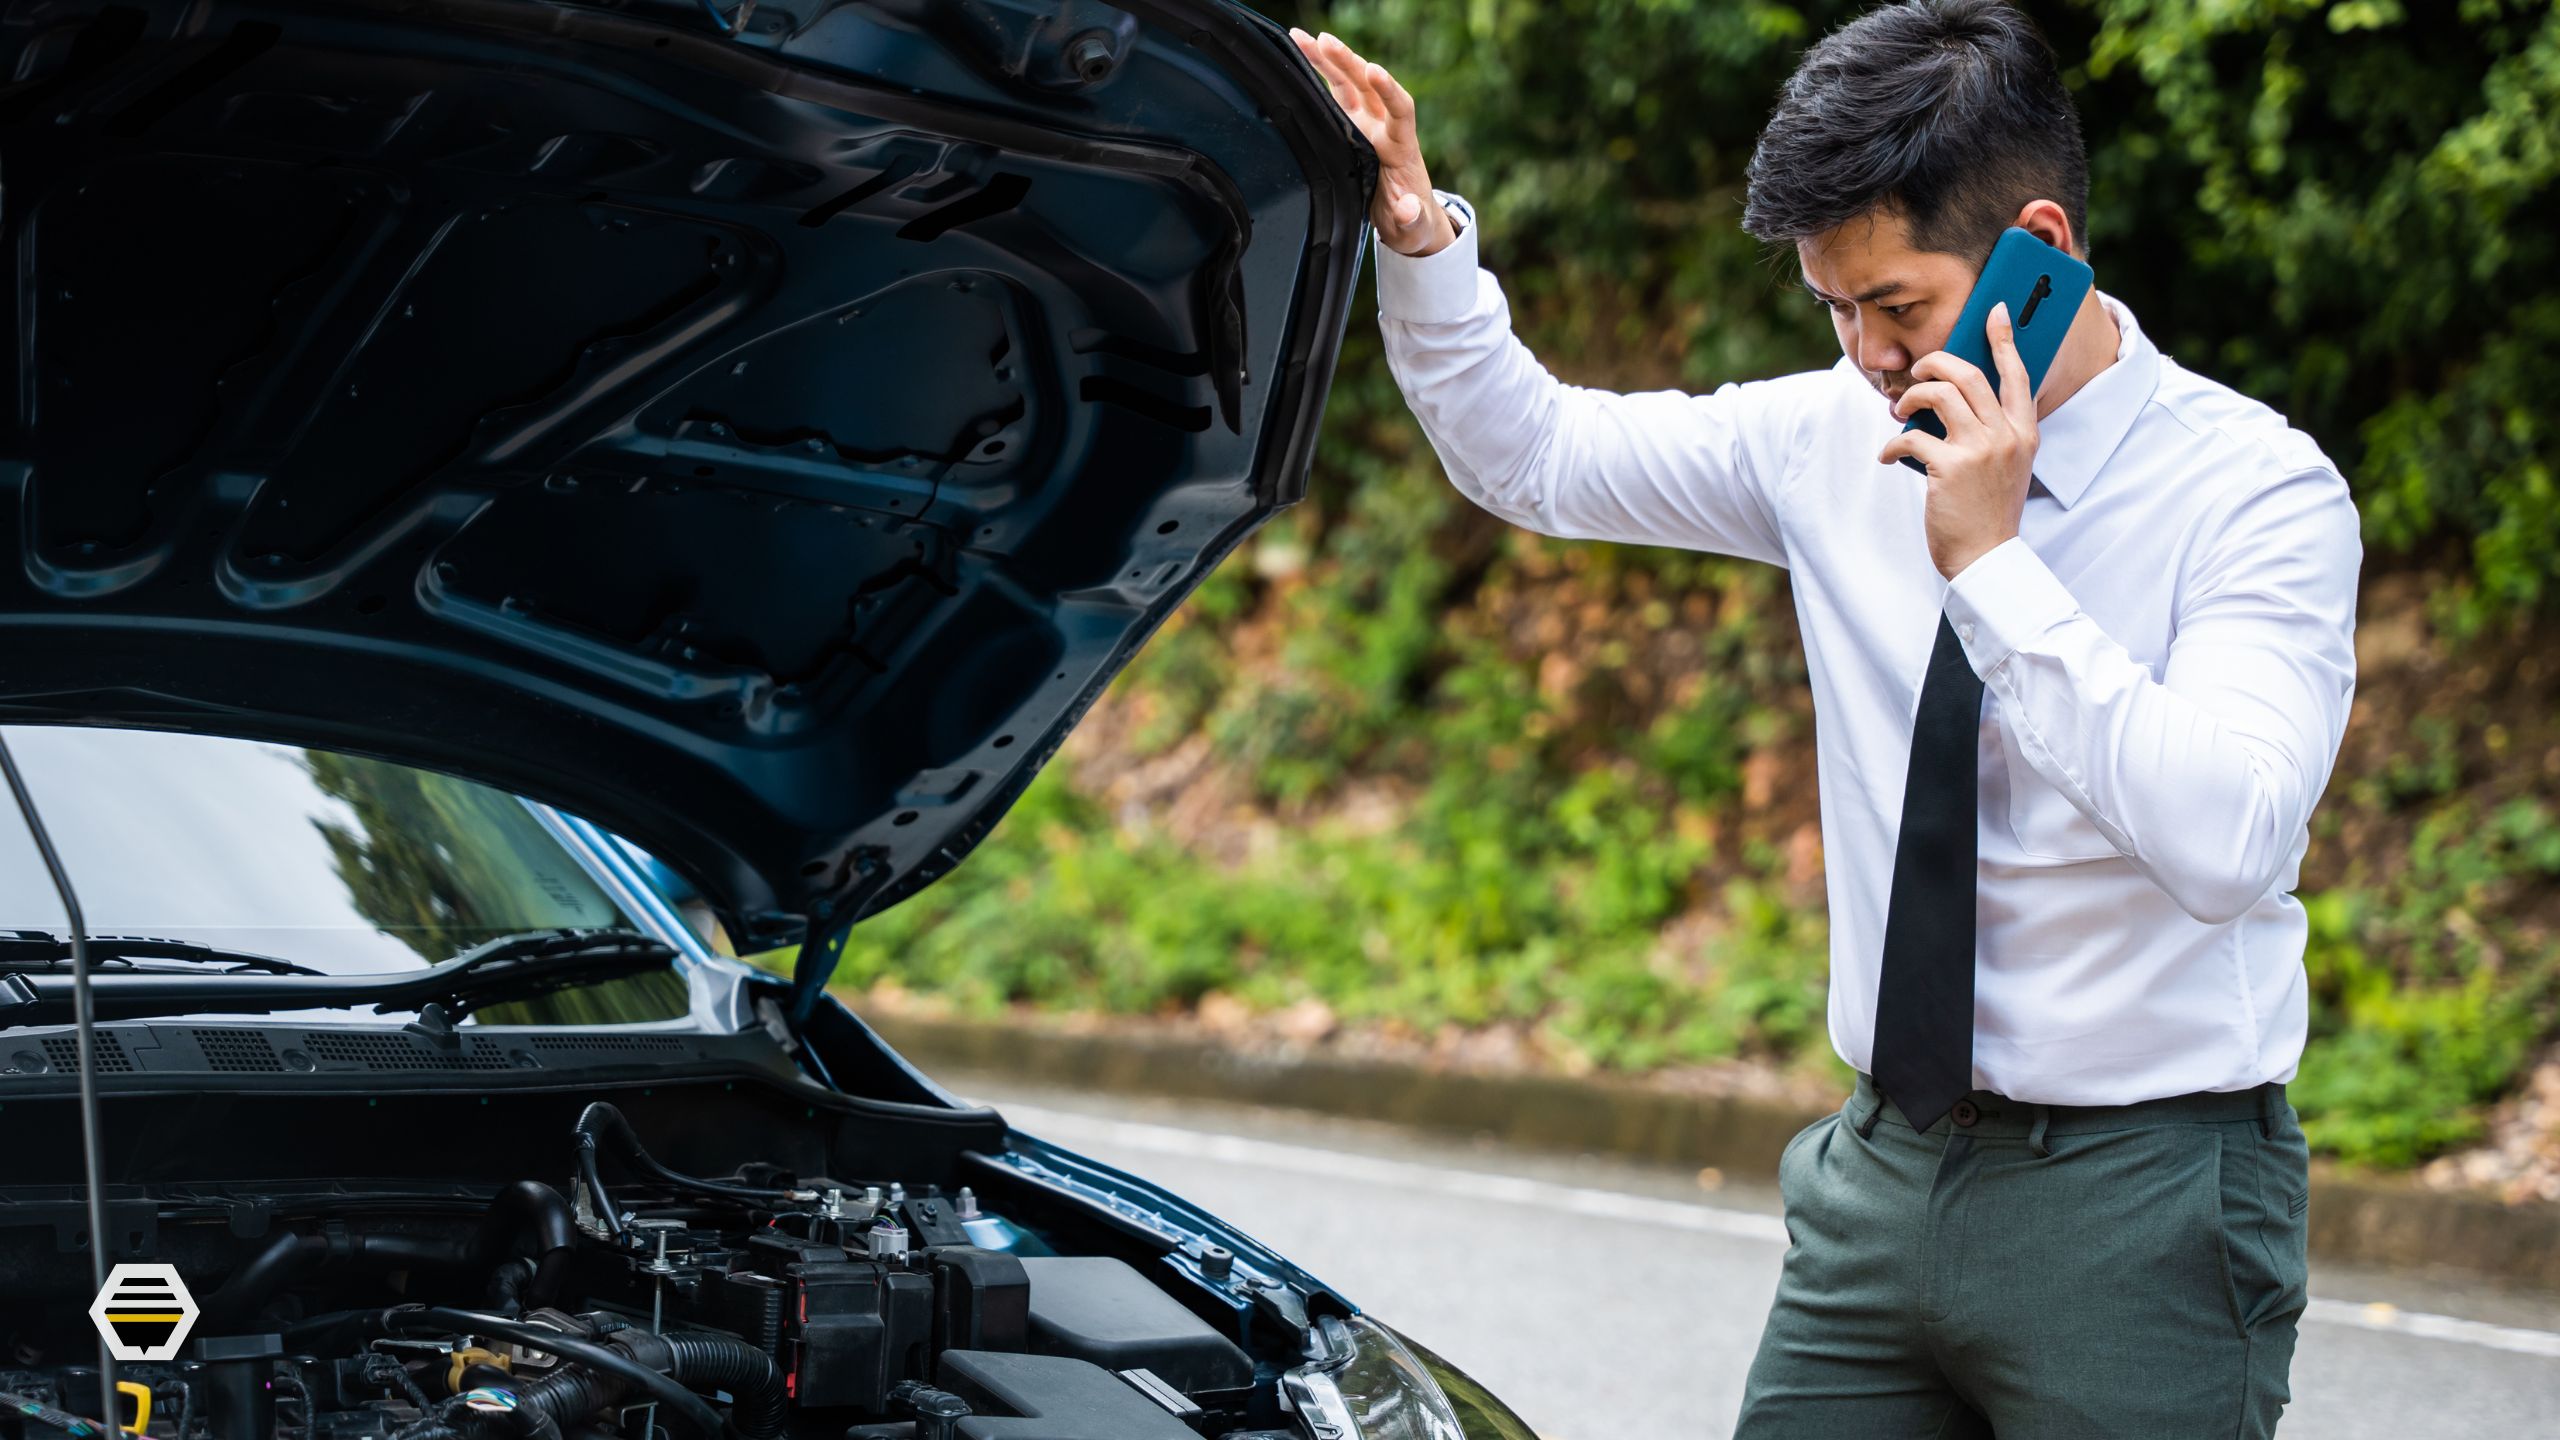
1792,1191
2265,1223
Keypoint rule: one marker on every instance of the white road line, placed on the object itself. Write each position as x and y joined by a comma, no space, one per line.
1401,1175
2392,1320
1072,1128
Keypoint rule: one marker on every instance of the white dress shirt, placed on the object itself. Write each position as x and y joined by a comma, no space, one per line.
2166,649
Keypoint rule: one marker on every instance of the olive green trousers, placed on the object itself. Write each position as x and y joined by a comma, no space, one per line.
2037,1272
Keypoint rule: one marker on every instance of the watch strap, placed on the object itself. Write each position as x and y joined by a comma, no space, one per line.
1461,214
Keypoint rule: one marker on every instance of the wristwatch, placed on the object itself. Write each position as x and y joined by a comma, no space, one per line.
1461,214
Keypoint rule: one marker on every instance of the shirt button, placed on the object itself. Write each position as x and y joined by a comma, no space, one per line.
1966,1112
1964,632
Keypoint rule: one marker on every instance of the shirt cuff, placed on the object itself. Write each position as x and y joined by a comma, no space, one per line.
1428,289
2005,598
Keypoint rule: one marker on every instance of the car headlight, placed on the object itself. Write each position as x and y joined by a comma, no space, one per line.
1363,1381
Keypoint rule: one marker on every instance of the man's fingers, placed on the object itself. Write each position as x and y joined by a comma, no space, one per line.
1383,111
1954,410
1335,56
1923,395
1398,103
1337,77
1365,91
1313,49
1363,77
2016,395
1947,369
1920,445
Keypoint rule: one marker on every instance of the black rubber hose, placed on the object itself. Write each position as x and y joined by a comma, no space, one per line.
593,1179
572,1392
600,1124
665,1389
725,1362
530,1207
507,1284
529,1422
289,1257
250,1287
575,1392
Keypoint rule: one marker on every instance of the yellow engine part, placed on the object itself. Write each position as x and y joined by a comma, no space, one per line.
468,1356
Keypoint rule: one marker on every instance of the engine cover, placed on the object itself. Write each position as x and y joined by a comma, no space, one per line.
1051,1397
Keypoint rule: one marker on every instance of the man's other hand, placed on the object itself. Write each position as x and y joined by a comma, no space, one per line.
1978,474
1408,220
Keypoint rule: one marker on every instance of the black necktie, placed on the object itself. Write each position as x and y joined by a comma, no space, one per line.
1924,1000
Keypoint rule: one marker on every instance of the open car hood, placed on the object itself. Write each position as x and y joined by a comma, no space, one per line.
765,444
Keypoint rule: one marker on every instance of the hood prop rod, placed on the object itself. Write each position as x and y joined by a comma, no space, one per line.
86,1022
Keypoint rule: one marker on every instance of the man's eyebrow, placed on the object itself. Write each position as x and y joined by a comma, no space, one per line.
1866,296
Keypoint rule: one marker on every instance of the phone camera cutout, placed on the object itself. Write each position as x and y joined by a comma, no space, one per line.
2044,287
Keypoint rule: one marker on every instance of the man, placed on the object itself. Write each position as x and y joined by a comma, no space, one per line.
2077,689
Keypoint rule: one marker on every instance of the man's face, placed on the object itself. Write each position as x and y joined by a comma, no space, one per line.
1889,303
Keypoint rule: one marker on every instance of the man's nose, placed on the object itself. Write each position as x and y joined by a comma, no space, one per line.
1881,355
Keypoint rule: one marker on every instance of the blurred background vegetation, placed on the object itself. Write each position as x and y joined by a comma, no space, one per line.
1417,775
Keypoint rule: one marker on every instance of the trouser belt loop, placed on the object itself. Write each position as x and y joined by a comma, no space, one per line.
2266,1112
2035,1135
1867,1127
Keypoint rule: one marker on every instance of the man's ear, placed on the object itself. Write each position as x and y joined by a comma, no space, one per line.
2046,221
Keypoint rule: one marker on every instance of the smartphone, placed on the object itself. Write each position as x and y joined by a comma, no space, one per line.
2044,288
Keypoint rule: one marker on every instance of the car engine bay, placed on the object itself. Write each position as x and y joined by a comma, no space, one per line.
614,1295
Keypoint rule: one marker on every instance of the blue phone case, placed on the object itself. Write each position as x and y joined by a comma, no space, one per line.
2044,288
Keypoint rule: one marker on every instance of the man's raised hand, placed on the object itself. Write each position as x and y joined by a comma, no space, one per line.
1978,474
1402,210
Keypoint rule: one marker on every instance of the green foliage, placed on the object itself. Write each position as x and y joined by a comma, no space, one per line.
2403,1054
2398,1075
2350,210
2346,209
1457,918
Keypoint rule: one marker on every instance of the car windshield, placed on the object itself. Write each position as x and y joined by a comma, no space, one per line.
339,863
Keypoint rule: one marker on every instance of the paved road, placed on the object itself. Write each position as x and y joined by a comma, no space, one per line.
1605,1300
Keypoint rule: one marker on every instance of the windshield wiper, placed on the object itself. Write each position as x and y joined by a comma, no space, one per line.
512,967
36,947
538,962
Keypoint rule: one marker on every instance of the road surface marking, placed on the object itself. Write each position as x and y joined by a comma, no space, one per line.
1400,1175
1310,1161
2392,1320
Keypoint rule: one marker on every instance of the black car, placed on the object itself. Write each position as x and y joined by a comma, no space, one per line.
464,446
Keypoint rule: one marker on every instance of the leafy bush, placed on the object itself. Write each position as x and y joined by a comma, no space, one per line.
2349,210
2403,1054
1443,922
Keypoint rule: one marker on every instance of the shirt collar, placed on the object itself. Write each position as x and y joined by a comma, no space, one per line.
2075,442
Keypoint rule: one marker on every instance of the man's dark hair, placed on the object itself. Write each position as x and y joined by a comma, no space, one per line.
1948,113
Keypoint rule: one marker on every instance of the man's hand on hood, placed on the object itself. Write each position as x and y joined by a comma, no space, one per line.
1402,209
